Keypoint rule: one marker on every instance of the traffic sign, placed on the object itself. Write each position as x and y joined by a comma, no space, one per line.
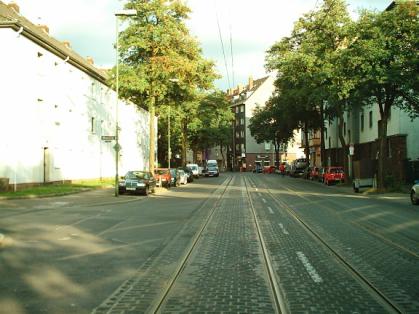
108,137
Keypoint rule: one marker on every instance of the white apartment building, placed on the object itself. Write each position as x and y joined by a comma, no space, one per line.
360,128
55,106
246,151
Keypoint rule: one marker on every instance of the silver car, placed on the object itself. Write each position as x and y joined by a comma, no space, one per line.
414,193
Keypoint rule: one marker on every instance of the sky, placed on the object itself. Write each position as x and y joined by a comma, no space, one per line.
251,26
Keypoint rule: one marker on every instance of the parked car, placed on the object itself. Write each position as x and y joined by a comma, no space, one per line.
183,176
314,173
163,176
188,172
212,171
137,182
414,193
297,167
269,169
333,175
195,169
175,177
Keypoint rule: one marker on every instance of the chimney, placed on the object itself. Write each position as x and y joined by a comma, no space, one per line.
250,83
67,44
90,60
44,28
13,5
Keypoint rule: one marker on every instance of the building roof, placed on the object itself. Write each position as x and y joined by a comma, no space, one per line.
241,94
11,18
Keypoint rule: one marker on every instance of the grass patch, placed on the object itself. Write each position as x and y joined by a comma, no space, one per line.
58,189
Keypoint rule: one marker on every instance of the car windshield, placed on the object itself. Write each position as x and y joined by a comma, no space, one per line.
336,170
160,171
136,175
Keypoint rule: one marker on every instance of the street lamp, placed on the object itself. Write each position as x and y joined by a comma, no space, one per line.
117,147
173,80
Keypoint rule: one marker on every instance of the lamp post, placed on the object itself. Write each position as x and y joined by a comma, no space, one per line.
173,80
117,147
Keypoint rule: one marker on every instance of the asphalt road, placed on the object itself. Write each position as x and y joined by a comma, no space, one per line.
94,252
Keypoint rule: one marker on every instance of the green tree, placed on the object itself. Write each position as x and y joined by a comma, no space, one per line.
383,61
271,124
155,48
306,66
213,127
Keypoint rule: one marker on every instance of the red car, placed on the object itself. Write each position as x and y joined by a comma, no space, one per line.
333,174
269,169
163,177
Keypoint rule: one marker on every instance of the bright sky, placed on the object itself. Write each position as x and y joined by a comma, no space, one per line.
254,27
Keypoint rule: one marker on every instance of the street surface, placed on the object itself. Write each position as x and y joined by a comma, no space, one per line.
242,242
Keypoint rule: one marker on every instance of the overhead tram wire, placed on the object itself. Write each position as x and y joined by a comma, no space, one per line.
222,44
231,47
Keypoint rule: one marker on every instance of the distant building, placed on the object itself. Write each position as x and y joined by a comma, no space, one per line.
246,152
55,108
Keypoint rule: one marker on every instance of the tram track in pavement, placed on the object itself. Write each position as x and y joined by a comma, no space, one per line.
366,227
121,298
390,305
276,294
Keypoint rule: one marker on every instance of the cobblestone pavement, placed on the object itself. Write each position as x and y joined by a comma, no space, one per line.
225,273
139,293
380,257
311,278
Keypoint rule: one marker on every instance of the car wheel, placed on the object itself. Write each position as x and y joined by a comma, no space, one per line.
413,198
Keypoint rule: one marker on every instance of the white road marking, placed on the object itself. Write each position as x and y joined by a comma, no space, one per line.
310,269
263,200
284,231
270,210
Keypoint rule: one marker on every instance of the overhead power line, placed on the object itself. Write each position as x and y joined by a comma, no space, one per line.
222,44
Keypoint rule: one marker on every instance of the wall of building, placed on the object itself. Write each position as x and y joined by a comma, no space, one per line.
52,117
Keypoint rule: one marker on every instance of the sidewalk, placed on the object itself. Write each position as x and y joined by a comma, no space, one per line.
95,197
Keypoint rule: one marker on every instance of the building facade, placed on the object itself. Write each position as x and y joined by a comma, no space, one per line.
246,153
57,111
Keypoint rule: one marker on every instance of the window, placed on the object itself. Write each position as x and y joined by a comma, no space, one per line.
241,121
344,128
237,135
242,133
349,136
242,148
330,142
362,121
237,109
237,147
242,108
370,119
325,132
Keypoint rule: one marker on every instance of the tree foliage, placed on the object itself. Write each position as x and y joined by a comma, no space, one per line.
155,48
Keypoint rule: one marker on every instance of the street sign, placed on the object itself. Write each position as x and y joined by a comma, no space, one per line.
108,137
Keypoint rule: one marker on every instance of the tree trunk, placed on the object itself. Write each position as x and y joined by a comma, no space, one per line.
382,152
184,138
222,156
322,144
306,143
343,144
277,146
152,137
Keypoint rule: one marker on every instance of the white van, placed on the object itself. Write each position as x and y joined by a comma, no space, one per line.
194,168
